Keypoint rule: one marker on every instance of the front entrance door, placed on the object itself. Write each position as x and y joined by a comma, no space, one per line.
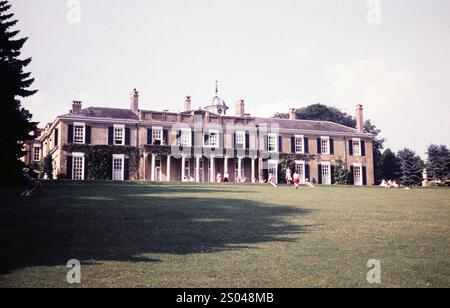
118,169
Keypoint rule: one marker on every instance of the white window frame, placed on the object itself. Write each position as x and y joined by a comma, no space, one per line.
119,128
121,157
356,153
360,167
275,176
210,133
242,135
302,138
327,139
35,147
302,176
155,130
76,156
185,139
328,179
187,168
276,146
79,125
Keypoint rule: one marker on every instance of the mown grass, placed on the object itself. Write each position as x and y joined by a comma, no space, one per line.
180,235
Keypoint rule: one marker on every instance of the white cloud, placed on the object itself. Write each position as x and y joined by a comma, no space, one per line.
390,97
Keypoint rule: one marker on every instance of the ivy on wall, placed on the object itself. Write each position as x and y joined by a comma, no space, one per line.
99,159
288,161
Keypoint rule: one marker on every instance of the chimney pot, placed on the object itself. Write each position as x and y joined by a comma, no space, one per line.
134,101
76,106
292,114
240,108
187,103
360,118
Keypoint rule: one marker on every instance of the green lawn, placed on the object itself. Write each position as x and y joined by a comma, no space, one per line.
180,235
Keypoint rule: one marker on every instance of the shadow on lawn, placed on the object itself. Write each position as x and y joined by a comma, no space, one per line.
121,223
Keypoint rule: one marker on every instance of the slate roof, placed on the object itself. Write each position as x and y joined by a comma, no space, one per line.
307,125
100,112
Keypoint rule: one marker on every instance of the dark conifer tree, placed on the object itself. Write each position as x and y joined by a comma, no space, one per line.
411,167
15,84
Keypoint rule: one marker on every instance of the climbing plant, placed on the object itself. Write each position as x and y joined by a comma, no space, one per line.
99,159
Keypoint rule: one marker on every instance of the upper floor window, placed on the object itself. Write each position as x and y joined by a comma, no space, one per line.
119,134
184,137
272,143
325,145
79,132
212,139
37,153
240,140
157,137
299,144
356,144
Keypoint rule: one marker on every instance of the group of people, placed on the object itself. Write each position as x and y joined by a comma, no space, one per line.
294,179
226,178
389,184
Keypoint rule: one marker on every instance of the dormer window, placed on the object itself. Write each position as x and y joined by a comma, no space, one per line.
79,133
119,134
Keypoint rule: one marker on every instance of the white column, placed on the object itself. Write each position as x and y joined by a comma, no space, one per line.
253,171
225,165
168,167
212,175
183,166
153,166
240,168
145,166
197,169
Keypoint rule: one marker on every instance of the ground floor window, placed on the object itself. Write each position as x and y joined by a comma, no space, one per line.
78,167
158,170
118,168
300,170
187,168
326,174
236,172
273,170
201,170
357,175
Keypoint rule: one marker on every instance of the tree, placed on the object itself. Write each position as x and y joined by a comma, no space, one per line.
14,82
378,146
390,166
438,162
341,174
411,167
321,112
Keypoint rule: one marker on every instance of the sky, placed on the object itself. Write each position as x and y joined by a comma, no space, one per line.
391,56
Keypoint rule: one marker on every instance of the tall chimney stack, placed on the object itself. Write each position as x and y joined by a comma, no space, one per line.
292,114
187,103
134,101
360,118
240,108
76,106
